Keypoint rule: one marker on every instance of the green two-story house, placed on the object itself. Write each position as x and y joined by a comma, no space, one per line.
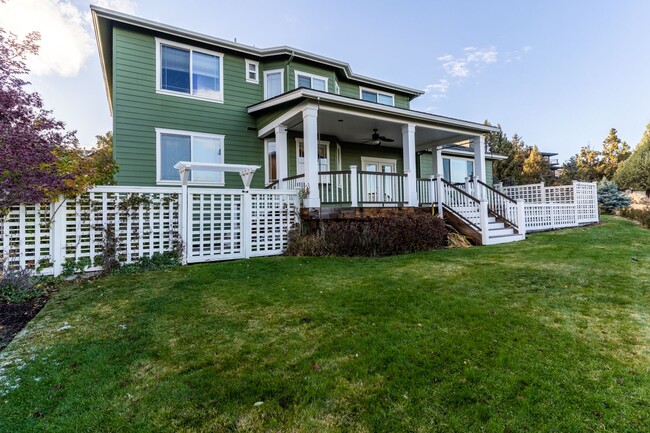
307,120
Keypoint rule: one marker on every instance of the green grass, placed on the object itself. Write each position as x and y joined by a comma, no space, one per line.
550,334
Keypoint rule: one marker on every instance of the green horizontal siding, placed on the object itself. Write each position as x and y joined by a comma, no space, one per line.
139,110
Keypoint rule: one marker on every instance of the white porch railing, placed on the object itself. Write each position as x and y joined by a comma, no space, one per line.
335,187
427,191
381,188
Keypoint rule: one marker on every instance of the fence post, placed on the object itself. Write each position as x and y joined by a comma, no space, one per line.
441,194
246,223
354,186
57,234
521,216
575,201
542,192
184,223
483,212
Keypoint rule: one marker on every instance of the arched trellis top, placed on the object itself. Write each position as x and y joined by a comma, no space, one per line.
245,171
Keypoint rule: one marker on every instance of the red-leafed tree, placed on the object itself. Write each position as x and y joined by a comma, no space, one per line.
31,140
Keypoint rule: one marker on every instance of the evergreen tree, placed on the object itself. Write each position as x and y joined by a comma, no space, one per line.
535,168
634,172
613,154
588,161
610,198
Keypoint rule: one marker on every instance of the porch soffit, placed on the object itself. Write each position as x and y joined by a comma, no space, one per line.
354,121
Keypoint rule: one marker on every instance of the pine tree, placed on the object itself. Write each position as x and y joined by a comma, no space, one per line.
588,161
613,154
535,168
610,198
634,172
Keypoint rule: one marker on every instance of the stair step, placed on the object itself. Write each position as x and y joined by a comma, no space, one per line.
500,232
505,239
495,225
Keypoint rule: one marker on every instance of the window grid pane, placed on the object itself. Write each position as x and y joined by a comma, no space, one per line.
175,74
173,148
205,75
273,84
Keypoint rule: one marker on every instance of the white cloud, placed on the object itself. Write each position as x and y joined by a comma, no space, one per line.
67,38
473,58
126,6
437,90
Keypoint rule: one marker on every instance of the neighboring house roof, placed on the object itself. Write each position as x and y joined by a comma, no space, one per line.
104,18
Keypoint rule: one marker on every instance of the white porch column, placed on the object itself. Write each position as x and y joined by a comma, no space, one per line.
440,168
410,168
310,132
282,155
479,157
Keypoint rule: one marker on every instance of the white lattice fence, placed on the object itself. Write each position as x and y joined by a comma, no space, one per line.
533,193
25,238
586,200
140,221
549,216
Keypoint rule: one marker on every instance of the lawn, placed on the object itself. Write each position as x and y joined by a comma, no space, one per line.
549,334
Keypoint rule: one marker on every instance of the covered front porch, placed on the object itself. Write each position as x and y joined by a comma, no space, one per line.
346,152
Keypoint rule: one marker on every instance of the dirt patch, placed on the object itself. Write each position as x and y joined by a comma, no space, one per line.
14,317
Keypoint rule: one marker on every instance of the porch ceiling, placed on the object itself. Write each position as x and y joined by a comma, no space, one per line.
353,121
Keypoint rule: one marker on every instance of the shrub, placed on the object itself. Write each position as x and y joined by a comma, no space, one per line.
610,198
18,285
158,261
372,237
640,215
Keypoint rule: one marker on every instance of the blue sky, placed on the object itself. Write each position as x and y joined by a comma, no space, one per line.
558,73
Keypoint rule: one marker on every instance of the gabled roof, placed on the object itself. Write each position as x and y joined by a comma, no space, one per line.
104,18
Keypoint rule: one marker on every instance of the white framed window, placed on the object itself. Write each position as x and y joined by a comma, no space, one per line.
337,88
455,170
173,146
311,81
187,71
273,83
375,96
252,71
270,161
323,156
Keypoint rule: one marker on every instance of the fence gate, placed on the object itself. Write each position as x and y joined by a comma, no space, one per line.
224,224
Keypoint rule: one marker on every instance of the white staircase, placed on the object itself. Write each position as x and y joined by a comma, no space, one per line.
495,217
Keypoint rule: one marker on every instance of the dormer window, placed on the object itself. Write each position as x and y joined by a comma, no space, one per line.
252,72
187,71
378,97
311,81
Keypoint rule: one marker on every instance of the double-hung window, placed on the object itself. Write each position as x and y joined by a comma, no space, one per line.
311,81
252,71
187,71
174,146
378,97
273,83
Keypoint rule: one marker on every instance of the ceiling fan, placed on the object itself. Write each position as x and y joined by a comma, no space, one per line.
378,139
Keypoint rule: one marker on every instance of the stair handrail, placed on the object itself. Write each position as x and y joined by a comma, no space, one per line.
456,212
495,209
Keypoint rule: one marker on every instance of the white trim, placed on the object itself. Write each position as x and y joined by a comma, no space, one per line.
337,88
257,71
160,90
377,92
475,128
470,154
311,77
300,141
273,71
192,134
267,179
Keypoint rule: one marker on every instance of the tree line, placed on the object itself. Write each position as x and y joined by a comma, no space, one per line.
615,161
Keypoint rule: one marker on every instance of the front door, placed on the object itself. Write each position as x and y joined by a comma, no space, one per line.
377,188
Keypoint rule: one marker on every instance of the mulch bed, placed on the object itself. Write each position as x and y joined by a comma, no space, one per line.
14,317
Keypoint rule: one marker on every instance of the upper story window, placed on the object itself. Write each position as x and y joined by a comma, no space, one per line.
273,83
252,71
375,96
173,146
311,81
187,71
